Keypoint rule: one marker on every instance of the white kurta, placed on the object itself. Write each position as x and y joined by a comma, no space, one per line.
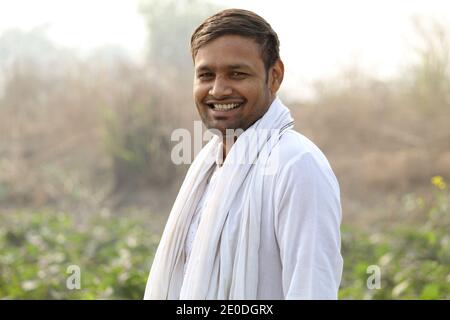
299,253
212,180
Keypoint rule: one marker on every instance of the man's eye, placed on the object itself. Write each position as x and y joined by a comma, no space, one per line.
237,74
205,75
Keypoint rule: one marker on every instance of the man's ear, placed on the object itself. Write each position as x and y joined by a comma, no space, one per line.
276,76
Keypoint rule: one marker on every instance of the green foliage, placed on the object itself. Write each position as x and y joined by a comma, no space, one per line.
137,139
414,261
113,254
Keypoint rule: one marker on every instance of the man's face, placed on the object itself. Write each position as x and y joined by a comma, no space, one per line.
231,88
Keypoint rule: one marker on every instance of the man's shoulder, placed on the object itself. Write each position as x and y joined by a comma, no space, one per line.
293,147
296,160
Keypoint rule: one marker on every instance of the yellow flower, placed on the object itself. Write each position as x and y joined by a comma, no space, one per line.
439,182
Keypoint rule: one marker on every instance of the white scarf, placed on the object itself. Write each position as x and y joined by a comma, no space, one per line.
208,275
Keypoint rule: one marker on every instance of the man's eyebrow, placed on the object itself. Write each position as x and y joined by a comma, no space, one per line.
229,67
203,68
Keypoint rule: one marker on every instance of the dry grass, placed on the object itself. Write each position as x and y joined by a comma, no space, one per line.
380,142
383,139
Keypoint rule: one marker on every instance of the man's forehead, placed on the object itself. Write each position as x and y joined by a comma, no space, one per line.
229,51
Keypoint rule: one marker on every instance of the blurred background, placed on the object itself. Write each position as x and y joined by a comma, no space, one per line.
90,92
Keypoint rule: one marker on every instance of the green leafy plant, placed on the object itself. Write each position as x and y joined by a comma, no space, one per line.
113,254
414,261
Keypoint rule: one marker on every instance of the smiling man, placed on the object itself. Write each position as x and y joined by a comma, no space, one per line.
258,215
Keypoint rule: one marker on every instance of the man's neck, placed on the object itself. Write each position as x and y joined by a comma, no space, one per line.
227,146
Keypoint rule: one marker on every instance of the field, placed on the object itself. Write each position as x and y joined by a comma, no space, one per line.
86,179
114,254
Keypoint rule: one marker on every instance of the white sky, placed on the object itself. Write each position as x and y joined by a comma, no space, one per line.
318,37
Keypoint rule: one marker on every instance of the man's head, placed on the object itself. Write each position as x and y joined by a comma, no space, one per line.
237,69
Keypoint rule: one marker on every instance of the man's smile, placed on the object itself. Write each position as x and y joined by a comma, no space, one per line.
224,109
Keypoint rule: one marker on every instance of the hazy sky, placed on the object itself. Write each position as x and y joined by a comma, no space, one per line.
317,37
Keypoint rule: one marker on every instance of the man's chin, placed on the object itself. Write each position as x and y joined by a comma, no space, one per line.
225,131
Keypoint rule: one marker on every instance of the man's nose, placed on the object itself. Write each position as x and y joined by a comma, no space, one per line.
220,88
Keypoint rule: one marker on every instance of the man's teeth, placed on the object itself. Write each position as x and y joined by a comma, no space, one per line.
226,106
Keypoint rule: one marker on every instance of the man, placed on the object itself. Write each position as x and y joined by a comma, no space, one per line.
258,214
